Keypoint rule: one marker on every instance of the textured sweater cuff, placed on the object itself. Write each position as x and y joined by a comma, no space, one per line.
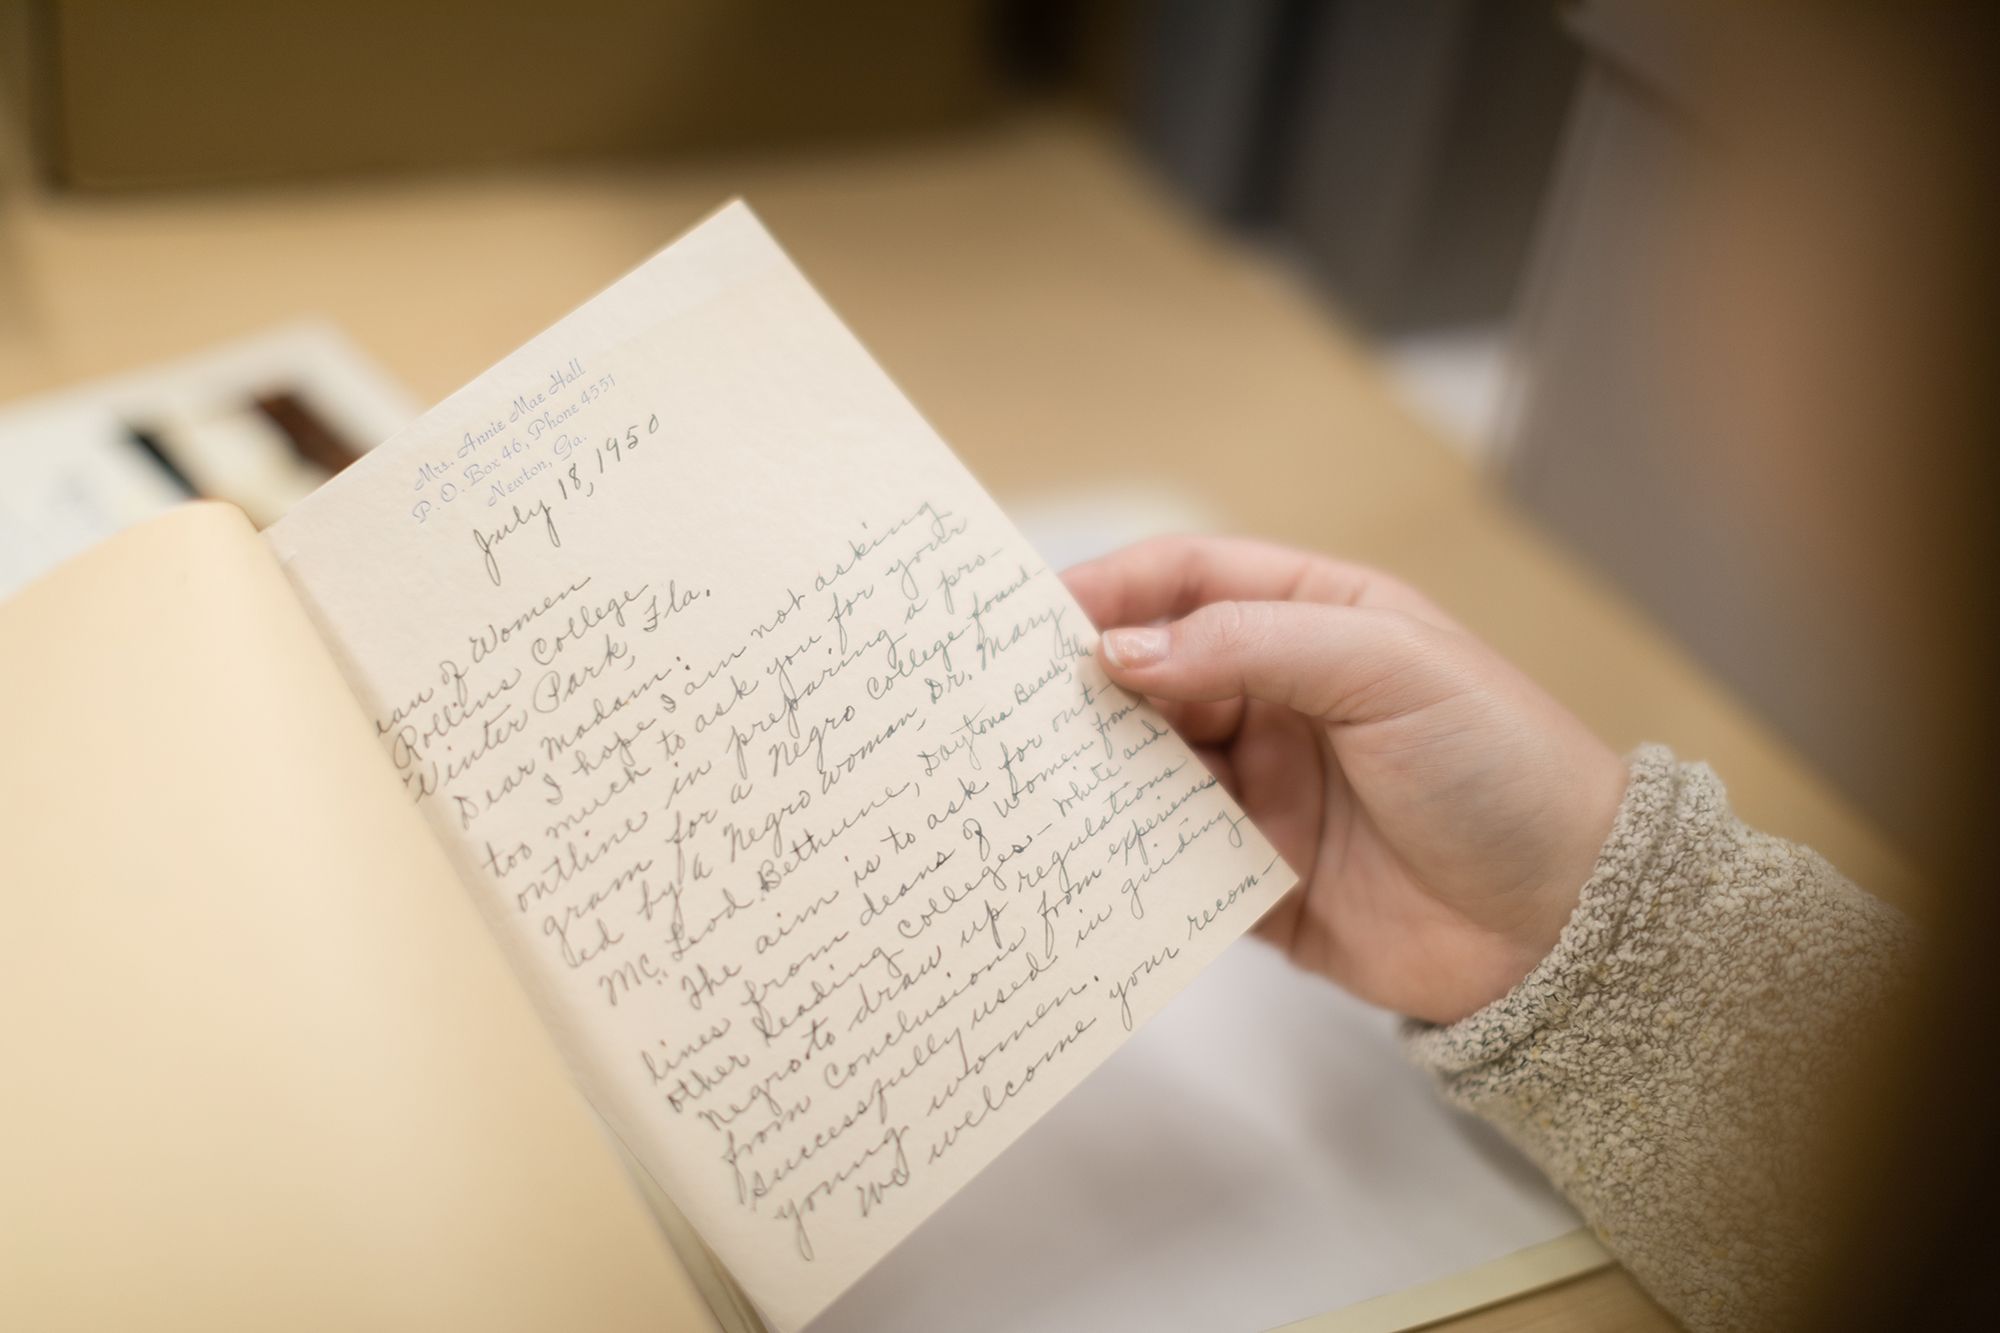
1562,984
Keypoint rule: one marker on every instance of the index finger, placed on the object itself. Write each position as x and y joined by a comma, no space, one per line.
1167,577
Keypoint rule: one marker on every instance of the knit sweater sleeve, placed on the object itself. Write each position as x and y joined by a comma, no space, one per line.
1666,1063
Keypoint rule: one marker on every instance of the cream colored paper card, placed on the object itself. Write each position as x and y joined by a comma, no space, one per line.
1568,1256
263,1067
773,753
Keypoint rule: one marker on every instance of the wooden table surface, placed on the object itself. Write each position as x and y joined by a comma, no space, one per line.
1059,320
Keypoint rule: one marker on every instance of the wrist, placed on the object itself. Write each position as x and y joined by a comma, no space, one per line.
1578,915
1590,807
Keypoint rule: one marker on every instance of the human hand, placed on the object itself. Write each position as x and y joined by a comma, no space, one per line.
1442,811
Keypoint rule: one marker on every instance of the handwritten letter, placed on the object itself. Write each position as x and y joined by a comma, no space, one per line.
778,760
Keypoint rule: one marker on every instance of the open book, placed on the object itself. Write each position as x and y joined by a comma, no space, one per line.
772,756
775,759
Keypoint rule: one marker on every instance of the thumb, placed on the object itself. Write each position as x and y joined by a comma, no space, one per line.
1336,663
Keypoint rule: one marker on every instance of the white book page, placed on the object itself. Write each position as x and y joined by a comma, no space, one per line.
774,754
1261,1153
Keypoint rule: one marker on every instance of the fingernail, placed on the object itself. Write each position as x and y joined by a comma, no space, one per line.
1135,647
